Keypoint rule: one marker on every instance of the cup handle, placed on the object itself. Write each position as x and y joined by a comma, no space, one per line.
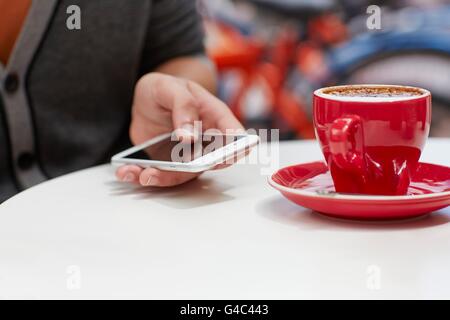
346,144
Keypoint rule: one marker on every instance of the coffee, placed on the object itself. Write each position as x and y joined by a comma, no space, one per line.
373,92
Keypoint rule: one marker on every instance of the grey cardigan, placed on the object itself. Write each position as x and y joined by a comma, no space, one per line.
65,95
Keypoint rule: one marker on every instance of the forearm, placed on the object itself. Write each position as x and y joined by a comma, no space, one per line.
197,69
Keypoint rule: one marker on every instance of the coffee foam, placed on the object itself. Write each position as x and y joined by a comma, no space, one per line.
371,93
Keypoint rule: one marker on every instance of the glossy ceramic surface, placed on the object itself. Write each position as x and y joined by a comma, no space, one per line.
372,145
310,185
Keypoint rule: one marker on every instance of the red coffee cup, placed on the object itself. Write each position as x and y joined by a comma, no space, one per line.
372,144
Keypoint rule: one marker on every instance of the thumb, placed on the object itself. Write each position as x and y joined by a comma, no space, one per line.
185,114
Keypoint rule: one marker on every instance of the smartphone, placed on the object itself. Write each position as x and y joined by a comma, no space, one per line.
166,152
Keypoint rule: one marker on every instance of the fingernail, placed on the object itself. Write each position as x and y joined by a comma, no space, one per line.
187,129
128,177
152,180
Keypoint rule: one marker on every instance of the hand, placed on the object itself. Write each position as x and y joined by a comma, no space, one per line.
162,104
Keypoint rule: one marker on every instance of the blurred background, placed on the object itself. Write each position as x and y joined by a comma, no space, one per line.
272,54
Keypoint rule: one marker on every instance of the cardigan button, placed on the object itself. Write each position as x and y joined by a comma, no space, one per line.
11,83
25,161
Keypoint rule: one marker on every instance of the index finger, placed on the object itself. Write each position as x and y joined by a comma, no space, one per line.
217,110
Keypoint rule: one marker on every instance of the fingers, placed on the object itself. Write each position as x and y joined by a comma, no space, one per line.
173,95
184,114
153,177
187,102
129,173
230,161
218,111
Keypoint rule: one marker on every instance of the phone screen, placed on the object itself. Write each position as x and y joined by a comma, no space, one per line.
175,151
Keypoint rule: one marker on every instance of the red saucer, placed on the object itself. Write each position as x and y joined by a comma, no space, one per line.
310,185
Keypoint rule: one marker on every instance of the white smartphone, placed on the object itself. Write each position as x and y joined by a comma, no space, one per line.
165,152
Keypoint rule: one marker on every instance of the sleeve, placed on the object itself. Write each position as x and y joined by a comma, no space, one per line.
175,29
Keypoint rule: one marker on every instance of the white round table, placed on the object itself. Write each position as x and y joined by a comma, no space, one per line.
228,235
